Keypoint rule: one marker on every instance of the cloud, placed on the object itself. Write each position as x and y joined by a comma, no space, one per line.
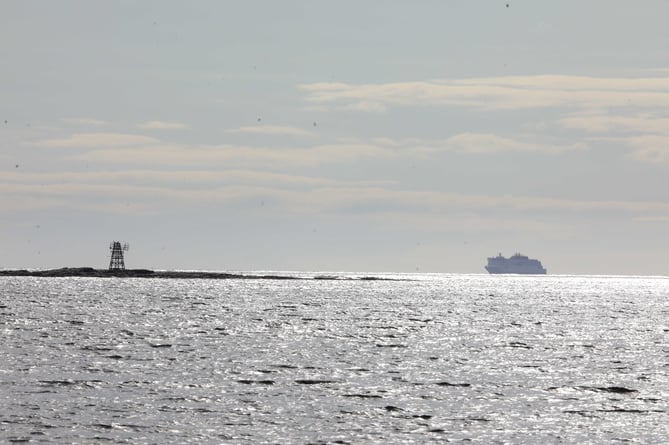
178,177
83,121
368,106
143,150
91,140
494,93
161,125
648,148
159,191
448,202
335,153
473,143
490,143
628,111
328,196
657,70
646,134
183,155
272,130
596,121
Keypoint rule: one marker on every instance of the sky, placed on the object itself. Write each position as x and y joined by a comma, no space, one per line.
367,136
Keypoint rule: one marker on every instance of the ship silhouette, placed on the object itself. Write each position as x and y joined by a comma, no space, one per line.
517,263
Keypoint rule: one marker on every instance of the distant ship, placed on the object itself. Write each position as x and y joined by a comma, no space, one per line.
516,264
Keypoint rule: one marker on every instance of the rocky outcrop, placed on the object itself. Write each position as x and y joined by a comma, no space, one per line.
129,273
147,273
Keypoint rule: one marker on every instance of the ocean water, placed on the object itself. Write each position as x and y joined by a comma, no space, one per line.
419,359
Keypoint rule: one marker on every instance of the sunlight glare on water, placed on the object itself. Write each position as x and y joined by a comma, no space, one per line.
422,358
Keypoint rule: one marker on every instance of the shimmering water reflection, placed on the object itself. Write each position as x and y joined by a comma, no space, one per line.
432,358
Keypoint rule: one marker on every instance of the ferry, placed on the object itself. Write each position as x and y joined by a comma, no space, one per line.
518,263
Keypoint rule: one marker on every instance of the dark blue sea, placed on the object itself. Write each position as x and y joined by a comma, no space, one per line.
416,359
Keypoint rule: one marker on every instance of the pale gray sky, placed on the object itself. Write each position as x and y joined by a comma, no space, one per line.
359,136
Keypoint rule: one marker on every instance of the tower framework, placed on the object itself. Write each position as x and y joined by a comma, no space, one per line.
116,262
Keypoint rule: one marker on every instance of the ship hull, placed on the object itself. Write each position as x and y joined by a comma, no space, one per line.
517,264
494,271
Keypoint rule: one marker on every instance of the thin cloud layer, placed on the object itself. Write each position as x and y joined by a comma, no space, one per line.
648,148
93,140
598,121
491,143
494,93
315,197
180,178
272,130
161,125
238,155
83,121
628,112
137,149
646,134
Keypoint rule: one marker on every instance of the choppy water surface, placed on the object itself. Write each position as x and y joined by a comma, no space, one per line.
441,358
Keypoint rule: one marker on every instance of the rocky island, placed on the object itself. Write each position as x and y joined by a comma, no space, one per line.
148,273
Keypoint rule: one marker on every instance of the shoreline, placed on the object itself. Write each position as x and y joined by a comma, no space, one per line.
90,272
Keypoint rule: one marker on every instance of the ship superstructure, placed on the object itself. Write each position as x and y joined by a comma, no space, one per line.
517,263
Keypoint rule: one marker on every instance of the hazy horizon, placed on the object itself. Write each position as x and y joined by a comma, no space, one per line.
311,136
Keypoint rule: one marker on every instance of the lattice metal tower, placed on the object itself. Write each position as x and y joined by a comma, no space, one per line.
116,262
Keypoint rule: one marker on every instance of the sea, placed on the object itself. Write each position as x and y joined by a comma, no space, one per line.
352,359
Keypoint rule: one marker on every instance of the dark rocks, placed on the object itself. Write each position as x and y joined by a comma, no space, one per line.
314,382
147,273
255,382
614,389
462,385
364,396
